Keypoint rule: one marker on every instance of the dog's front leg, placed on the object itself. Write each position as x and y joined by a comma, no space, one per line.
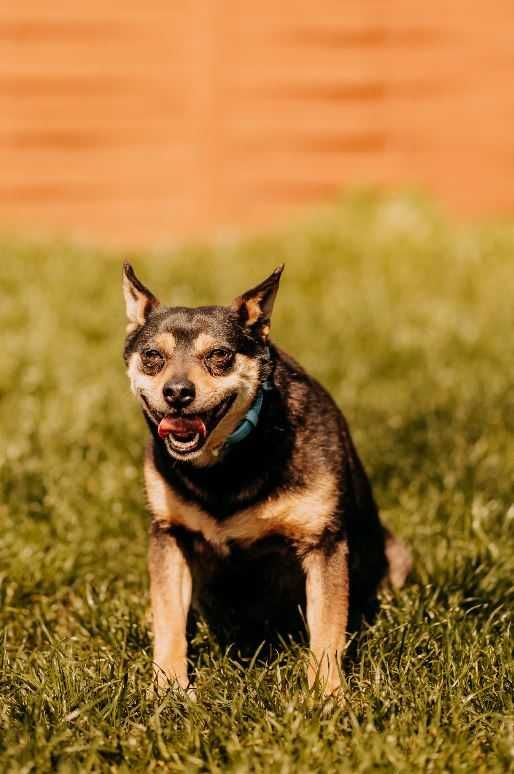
327,594
170,590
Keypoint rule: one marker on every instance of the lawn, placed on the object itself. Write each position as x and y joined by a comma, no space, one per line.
409,320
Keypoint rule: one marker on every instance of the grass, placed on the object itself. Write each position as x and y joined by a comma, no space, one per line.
409,320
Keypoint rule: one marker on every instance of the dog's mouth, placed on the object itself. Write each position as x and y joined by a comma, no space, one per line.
185,433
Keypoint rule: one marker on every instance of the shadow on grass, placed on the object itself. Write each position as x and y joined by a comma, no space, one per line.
262,643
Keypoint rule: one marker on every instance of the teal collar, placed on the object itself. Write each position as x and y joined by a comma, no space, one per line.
251,418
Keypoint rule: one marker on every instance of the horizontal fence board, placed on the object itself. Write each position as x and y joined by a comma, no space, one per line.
142,121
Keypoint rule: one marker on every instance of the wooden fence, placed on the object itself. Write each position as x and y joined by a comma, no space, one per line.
143,121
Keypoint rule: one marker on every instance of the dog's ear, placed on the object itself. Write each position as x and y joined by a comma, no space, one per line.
139,300
255,306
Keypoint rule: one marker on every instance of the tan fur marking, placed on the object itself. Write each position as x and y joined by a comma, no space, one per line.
301,516
254,311
150,385
170,591
134,372
204,342
205,384
166,342
327,592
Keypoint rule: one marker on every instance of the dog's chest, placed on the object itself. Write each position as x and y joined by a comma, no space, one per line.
301,516
254,590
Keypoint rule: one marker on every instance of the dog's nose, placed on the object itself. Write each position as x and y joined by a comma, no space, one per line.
179,392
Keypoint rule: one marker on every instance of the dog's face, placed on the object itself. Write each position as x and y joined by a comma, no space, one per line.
196,371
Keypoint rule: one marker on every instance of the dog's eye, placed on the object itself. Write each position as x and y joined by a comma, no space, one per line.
152,361
218,359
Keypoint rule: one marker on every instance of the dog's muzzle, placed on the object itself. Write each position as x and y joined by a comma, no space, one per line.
187,432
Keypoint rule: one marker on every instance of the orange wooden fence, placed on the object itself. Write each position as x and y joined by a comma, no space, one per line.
143,121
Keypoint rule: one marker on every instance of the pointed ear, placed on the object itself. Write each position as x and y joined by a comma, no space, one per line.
255,306
138,299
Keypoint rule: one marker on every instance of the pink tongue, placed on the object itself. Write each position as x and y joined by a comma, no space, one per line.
181,427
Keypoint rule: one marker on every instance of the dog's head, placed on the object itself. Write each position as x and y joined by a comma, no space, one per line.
197,371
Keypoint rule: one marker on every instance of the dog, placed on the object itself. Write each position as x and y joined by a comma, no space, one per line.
260,504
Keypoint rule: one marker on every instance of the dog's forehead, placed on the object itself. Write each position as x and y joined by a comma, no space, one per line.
188,326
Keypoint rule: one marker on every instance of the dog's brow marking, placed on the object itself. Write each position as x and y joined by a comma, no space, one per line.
166,341
204,342
301,515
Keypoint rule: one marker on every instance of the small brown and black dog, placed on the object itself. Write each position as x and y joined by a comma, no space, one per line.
260,504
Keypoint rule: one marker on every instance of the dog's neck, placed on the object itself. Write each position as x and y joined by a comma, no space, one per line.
243,473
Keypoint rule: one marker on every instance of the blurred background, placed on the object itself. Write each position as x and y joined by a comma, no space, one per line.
141,122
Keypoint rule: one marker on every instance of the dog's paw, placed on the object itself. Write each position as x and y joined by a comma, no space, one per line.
163,684
156,692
